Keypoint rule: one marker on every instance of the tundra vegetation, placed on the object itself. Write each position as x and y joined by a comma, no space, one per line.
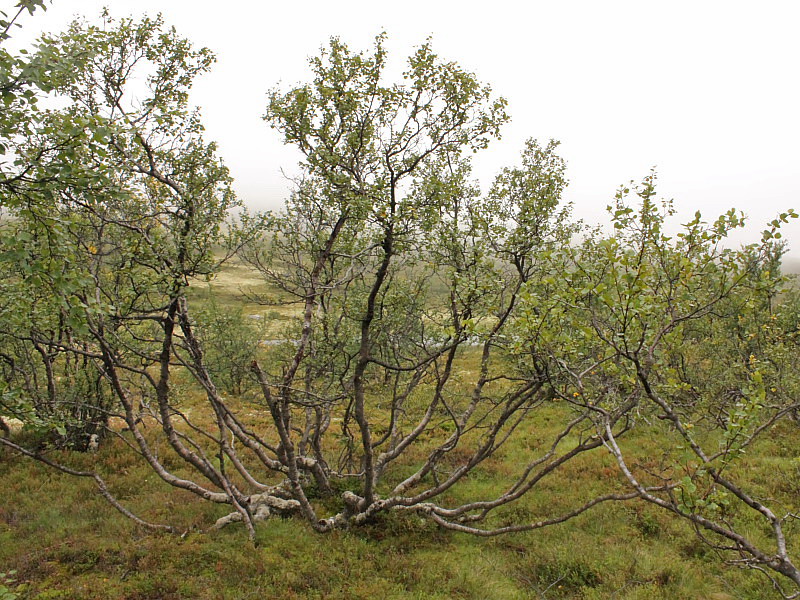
457,359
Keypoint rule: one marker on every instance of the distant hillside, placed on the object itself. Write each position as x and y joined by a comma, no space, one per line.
791,266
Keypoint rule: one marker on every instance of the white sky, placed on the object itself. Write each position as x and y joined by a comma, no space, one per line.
706,91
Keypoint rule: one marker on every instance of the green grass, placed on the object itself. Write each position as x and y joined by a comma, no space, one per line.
64,541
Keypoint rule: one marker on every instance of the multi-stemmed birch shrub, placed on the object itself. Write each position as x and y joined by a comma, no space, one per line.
436,321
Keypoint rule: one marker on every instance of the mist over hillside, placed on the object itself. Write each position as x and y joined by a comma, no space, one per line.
791,266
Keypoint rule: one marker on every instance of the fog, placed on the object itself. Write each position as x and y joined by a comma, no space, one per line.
705,92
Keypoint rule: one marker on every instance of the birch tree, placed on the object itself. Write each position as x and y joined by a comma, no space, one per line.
437,321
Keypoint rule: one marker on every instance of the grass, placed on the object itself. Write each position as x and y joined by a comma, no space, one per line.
238,285
65,542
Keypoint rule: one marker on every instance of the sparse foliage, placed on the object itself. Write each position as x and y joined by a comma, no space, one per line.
436,323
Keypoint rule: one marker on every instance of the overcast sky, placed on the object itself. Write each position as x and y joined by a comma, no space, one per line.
707,92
